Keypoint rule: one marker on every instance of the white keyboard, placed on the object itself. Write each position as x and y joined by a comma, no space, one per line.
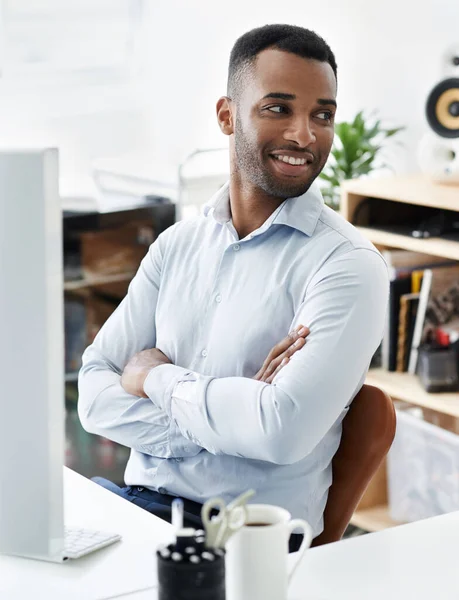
79,542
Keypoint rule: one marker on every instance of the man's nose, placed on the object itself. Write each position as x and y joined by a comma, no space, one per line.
300,132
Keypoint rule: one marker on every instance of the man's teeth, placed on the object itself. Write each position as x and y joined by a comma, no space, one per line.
291,160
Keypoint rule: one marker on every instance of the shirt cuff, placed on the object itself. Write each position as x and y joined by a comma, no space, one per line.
161,381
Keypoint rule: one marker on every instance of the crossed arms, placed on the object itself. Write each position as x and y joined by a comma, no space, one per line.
281,414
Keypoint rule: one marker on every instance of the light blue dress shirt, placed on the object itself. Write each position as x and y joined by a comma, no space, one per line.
216,305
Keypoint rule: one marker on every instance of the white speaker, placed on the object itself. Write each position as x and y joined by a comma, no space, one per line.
439,158
438,151
450,62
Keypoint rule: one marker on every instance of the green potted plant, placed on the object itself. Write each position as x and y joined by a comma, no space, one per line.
355,149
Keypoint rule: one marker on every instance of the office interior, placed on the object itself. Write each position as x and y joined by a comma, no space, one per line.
126,91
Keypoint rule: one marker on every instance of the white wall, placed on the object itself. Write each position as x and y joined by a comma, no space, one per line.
388,56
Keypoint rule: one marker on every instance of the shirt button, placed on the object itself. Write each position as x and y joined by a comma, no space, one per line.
236,247
162,490
178,459
218,298
204,353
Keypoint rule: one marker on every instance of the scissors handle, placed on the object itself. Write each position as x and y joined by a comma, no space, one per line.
236,518
214,524
230,519
241,500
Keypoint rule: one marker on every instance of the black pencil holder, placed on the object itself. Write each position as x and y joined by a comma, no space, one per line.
187,581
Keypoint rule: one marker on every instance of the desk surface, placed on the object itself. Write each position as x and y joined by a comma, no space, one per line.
104,574
417,560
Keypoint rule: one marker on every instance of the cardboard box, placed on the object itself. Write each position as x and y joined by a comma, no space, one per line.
117,250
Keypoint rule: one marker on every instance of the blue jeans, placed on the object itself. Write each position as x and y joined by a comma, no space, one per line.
154,502
160,506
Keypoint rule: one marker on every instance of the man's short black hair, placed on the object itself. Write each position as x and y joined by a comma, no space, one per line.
290,38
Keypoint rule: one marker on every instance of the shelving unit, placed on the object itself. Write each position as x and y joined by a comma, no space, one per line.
407,388
374,518
79,284
434,246
89,454
372,513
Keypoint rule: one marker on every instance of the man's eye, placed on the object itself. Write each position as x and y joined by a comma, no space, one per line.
325,115
278,108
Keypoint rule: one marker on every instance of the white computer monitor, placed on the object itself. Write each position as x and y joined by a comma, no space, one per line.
31,355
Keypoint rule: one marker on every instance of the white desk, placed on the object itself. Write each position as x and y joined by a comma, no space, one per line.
103,574
418,561
412,561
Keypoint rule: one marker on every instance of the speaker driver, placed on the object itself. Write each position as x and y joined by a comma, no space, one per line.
442,108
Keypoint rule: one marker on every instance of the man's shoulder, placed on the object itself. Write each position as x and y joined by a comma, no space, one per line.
335,227
340,245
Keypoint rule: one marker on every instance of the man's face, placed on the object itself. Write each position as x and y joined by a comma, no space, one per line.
285,113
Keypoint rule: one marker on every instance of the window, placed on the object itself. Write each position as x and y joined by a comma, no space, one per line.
61,42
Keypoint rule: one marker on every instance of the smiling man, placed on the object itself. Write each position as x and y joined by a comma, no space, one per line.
189,371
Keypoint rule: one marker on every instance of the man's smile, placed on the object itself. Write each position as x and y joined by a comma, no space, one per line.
285,164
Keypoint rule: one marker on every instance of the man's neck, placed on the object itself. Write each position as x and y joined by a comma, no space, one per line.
250,206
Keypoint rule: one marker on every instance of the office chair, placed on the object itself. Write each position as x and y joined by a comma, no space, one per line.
368,432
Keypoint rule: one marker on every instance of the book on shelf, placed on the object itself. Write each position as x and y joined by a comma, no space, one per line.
397,288
416,280
405,273
407,318
438,304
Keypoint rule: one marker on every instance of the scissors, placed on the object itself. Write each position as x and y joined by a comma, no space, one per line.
230,518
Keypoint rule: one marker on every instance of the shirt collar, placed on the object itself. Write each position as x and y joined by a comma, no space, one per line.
300,213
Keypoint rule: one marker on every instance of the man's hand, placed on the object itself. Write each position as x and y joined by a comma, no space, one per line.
137,369
281,353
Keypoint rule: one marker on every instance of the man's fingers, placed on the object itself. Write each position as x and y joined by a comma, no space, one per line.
290,339
300,342
282,364
287,345
301,332
278,349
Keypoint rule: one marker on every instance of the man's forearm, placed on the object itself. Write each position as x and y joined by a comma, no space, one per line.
106,409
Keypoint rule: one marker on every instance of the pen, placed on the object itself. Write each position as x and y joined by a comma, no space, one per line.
177,514
183,536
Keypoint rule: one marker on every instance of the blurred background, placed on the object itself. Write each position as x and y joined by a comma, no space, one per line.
136,81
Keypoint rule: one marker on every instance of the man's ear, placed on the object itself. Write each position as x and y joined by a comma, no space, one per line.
225,115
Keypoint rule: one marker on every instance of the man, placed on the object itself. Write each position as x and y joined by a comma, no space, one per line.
182,372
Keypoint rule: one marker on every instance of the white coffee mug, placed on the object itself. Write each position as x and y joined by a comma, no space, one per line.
256,555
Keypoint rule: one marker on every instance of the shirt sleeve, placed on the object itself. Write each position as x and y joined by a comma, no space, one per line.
104,407
345,309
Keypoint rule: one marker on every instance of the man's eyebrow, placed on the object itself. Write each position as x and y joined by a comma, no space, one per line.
325,101
280,96
284,96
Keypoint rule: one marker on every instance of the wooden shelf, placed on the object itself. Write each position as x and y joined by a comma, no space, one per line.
375,518
71,377
434,246
409,189
406,387
94,281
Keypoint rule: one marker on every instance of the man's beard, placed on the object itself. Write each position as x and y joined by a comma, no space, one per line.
250,165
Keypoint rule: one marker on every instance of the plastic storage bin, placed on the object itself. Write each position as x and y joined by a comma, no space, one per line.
423,470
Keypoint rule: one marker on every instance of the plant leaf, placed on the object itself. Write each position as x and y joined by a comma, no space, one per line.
355,150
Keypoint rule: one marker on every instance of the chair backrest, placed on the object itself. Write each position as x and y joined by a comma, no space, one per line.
368,432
